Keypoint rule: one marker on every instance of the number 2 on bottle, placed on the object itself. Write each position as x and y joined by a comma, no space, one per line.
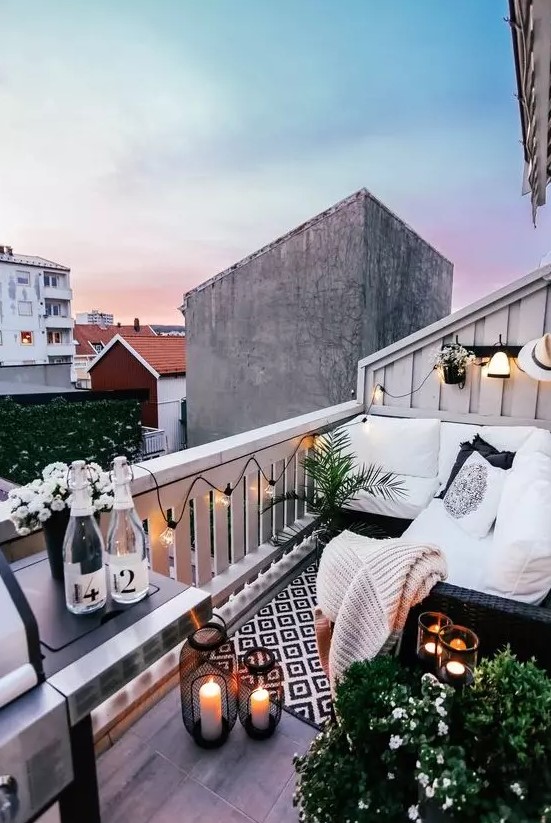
131,575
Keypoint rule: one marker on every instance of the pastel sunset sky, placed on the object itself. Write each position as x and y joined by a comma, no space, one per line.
149,144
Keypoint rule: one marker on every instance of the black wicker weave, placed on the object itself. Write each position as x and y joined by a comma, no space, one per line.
497,621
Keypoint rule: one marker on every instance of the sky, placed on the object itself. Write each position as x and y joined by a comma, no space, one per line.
150,144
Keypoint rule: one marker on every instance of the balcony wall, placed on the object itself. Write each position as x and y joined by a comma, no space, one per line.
217,548
519,312
56,322
57,293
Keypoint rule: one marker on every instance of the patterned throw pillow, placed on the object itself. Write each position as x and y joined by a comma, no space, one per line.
503,460
473,496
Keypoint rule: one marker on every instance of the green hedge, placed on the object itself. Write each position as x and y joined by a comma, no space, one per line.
33,436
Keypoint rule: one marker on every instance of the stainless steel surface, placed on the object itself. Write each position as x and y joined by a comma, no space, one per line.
94,677
35,753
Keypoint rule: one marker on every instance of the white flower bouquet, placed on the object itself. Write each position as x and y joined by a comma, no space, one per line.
33,504
454,355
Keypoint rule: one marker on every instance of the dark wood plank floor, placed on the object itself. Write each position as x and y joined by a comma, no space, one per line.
156,772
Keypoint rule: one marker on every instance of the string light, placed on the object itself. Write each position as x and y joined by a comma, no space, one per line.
226,497
167,536
270,490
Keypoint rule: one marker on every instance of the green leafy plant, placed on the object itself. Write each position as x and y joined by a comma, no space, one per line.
32,436
406,747
334,479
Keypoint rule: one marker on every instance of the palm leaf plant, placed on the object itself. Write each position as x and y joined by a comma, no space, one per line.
333,480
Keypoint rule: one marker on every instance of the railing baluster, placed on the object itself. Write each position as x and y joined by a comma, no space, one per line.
279,513
182,550
238,522
300,482
221,547
252,511
203,566
148,509
290,486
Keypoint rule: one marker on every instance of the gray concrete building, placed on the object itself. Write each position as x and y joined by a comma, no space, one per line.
280,333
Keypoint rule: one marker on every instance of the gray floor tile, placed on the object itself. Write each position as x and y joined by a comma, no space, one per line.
283,810
151,721
135,782
193,803
249,774
176,744
301,733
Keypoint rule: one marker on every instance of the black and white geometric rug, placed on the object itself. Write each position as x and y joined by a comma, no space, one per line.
286,627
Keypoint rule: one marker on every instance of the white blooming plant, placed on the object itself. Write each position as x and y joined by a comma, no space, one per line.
454,355
33,504
406,745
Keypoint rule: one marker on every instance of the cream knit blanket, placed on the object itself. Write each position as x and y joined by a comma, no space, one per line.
366,587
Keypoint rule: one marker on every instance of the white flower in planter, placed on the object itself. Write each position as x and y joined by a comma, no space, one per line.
33,504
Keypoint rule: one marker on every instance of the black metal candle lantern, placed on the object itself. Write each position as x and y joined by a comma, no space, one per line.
208,685
260,693
457,655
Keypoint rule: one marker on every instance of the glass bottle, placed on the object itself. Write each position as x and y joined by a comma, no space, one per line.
126,542
84,572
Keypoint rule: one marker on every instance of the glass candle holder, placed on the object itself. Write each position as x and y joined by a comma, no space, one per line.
457,655
429,626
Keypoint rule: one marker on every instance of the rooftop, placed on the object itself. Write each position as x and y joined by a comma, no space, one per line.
88,334
163,355
26,260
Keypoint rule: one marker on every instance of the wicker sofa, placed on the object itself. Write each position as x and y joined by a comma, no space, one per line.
498,620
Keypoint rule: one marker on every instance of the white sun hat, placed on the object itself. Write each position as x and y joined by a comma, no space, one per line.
535,358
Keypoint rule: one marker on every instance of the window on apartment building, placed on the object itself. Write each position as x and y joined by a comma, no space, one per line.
53,309
25,308
51,280
54,337
97,347
23,278
26,338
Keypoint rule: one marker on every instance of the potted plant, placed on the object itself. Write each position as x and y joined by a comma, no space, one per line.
335,479
452,361
45,503
408,748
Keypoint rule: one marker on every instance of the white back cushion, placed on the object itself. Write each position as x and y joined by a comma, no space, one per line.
539,441
452,435
520,561
401,445
507,438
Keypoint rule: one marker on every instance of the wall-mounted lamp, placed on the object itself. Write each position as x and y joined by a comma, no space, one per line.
499,365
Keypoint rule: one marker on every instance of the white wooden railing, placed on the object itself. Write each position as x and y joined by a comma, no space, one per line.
219,547
153,442
216,547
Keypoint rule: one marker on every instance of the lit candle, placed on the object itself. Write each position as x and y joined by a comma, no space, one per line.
434,629
210,710
455,669
260,709
458,643
430,648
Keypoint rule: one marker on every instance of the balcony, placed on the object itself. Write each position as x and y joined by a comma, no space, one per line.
153,442
60,349
57,292
53,321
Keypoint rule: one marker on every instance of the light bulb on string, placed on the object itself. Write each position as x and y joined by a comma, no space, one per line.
225,500
270,488
167,536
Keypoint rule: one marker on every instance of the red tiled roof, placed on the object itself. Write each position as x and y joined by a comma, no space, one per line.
167,355
86,334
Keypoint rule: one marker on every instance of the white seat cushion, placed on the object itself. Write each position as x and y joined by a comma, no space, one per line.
466,555
452,435
507,438
419,491
401,445
520,565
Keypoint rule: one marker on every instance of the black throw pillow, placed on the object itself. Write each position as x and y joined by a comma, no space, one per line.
502,460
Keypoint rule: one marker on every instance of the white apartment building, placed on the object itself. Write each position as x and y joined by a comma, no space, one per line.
94,317
36,326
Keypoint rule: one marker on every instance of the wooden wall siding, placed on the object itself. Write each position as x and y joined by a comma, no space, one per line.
526,316
119,369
